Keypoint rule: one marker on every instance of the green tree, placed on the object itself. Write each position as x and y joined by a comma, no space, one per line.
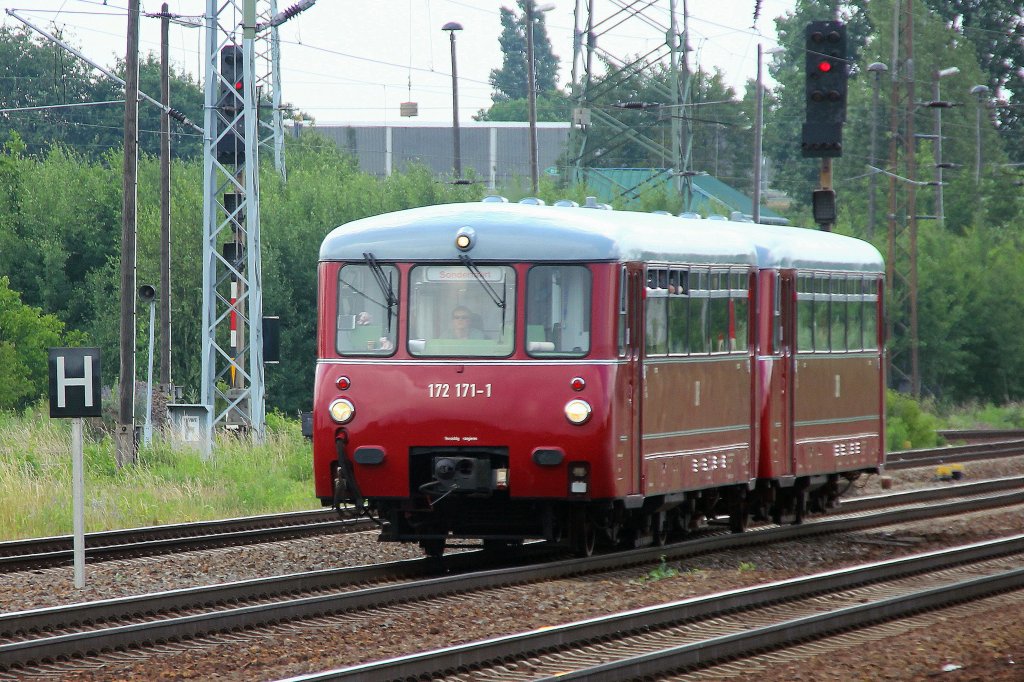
59,97
26,334
997,34
510,81
551,106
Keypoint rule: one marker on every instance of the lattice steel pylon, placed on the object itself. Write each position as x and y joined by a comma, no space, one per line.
232,380
588,29
268,79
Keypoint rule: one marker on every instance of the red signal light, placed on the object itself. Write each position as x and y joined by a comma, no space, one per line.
824,66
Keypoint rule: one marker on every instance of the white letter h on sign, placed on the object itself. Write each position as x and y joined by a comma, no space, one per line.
63,382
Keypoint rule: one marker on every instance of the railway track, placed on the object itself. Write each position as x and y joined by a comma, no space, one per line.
911,459
18,555
86,629
693,633
118,544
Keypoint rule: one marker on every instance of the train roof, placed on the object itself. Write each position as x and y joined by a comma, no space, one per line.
523,232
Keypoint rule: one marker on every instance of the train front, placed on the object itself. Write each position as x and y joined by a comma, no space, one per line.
458,395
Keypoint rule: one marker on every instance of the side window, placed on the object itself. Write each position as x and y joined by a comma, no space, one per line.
739,340
558,311
623,320
869,309
839,305
699,312
365,324
719,313
837,312
805,313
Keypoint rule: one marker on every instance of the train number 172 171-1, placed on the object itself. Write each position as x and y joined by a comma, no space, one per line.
459,390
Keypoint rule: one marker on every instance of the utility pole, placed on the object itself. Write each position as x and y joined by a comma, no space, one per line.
531,95
908,31
125,435
167,389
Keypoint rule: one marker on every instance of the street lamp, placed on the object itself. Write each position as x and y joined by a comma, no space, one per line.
758,130
939,105
147,294
978,91
531,86
452,27
877,68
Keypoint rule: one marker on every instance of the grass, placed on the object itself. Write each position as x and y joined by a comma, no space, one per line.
169,484
175,484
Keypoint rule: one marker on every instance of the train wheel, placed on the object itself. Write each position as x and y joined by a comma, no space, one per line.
738,512
433,548
659,528
584,537
799,507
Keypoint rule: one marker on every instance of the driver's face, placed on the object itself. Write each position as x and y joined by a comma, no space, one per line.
460,321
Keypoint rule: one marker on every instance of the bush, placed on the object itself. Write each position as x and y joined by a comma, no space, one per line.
907,424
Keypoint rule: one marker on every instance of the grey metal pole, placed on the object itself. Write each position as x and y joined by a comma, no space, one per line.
531,95
147,429
978,91
78,501
758,123
939,208
165,207
878,68
452,27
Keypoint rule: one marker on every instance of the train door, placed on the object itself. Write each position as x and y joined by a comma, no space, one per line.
633,283
784,341
775,358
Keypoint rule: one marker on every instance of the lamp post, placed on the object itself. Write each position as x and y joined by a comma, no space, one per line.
978,91
877,68
758,130
147,294
452,27
531,87
939,106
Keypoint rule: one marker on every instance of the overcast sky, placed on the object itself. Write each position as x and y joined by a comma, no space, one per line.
357,60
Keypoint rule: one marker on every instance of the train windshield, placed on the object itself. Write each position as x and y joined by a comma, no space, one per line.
367,320
460,311
558,311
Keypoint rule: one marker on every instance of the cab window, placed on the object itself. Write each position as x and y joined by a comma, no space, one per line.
458,311
366,323
558,311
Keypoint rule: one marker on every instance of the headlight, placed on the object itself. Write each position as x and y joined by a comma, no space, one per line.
342,411
577,411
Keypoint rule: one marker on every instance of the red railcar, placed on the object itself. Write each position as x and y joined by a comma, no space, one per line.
502,372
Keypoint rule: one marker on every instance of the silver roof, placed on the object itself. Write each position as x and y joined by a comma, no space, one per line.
518,232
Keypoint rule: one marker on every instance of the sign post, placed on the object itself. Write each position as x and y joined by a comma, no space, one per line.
75,393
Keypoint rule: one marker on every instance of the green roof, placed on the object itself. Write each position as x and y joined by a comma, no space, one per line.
706,194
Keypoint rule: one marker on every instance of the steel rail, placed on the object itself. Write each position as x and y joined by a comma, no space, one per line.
575,635
55,551
980,435
169,627
911,459
957,489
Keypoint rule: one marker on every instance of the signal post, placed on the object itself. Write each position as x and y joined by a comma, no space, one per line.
826,76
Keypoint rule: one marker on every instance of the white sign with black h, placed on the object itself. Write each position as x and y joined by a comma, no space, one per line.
75,393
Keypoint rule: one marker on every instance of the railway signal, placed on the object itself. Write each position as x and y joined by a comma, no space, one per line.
231,142
825,88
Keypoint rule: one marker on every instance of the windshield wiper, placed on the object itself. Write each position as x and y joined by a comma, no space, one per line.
385,286
479,276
